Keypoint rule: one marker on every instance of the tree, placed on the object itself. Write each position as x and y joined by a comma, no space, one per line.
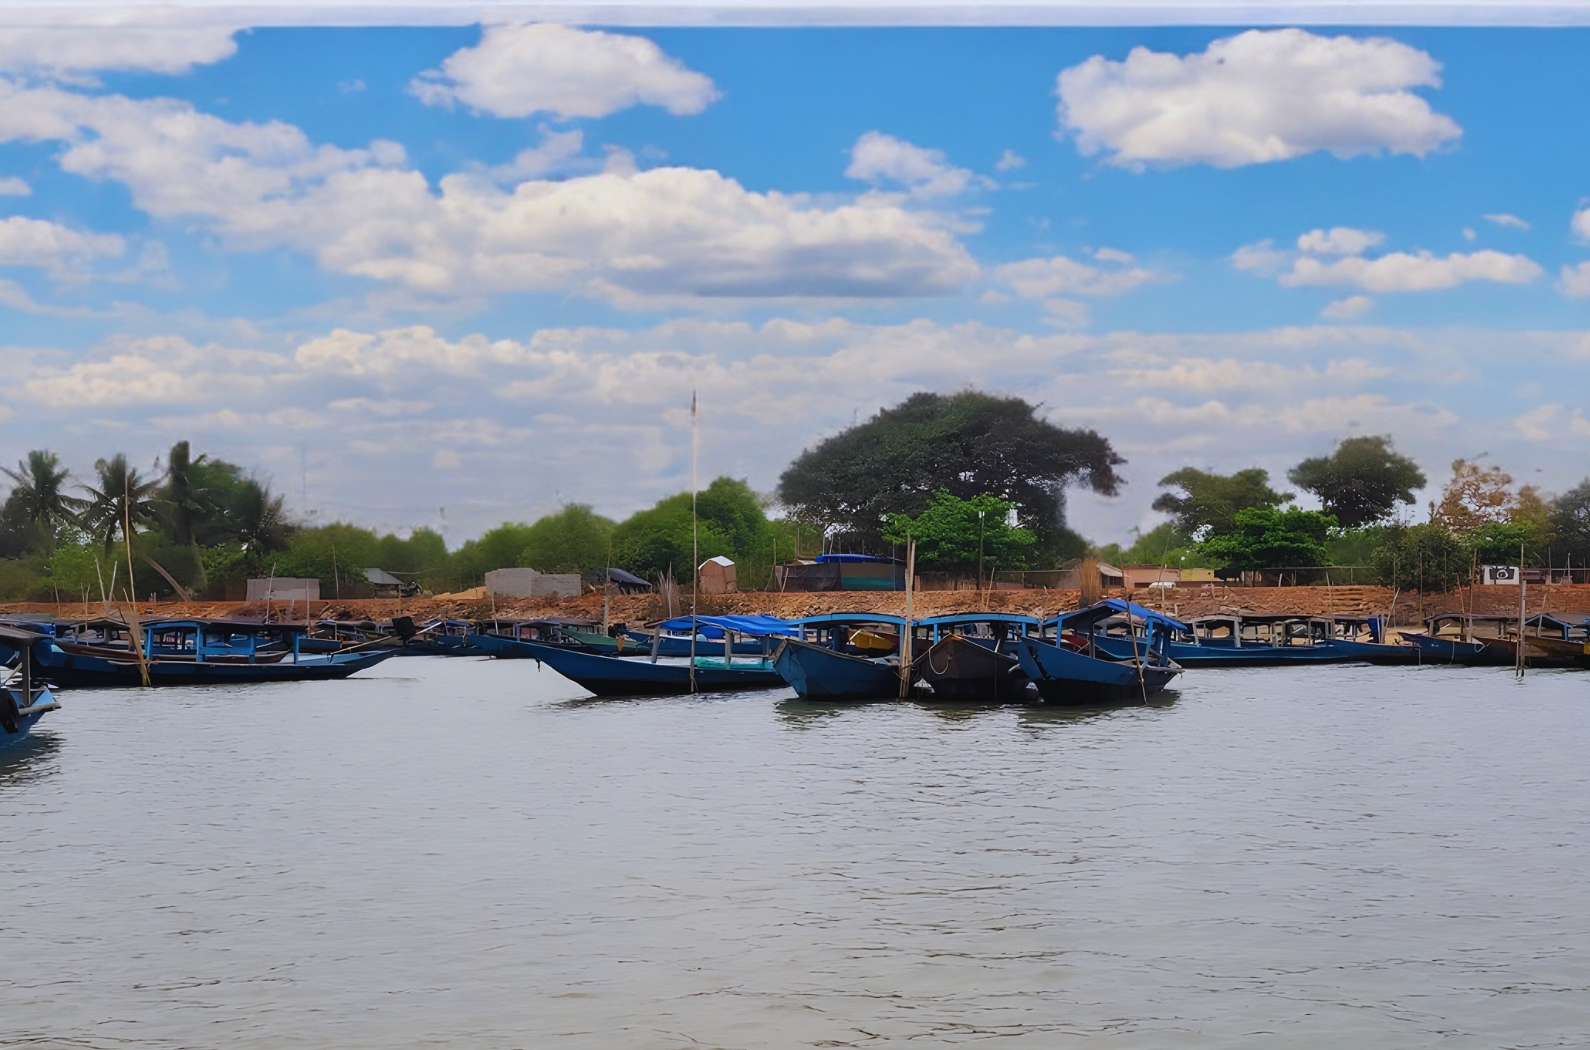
1474,496
948,532
967,444
185,498
731,523
40,496
1361,481
1570,522
575,539
1425,557
1212,501
1266,538
261,524
123,500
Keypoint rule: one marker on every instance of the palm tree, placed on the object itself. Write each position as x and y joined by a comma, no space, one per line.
260,522
187,501
123,500
40,492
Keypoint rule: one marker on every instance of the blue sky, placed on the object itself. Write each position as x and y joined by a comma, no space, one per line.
397,270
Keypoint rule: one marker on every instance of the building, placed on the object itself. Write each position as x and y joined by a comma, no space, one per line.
842,572
528,583
1138,577
718,576
1070,578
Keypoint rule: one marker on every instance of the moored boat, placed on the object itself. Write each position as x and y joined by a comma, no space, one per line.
843,656
23,700
972,656
1073,670
609,675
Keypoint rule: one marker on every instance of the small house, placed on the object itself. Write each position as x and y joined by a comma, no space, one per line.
717,576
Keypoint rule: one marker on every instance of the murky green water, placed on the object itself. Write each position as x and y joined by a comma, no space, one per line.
458,852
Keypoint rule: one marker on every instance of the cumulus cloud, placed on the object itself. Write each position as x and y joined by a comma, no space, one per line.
879,158
1336,258
1347,309
1059,275
1510,221
11,186
1580,223
58,249
158,372
1575,280
1413,272
518,70
1010,160
76,52
1340,240
1260,96
624,235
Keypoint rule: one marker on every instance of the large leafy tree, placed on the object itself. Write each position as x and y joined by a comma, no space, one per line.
731,522
40,498
1423,558
1211,502
1570,520
575,539
966,444
1267,538
259,522
1474,496
952,532
186,500
1361,481
120,499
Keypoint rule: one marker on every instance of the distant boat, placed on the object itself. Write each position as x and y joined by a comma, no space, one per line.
1466,640
746,635
1564,642
193,652
839,657
441,638
607,675
1071,670
506,639
1236,640
973,656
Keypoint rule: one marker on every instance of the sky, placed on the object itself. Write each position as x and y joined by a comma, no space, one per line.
452,275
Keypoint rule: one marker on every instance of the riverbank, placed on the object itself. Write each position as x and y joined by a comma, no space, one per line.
1410,608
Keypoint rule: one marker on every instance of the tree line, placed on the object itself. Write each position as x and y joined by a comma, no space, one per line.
973,478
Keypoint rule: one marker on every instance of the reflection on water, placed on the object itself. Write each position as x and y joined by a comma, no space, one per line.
460,852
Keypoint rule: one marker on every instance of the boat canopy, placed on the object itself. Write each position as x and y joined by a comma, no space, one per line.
949,619
714,626
1082,619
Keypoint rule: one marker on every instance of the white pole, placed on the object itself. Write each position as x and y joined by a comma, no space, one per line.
695,545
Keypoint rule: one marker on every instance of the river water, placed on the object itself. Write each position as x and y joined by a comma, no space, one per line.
464,852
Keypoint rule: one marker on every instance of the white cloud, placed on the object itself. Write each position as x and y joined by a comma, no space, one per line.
1510,221
1010,160
11,186
1412,272
1229,373
628,236
50,246
1260,96
519,70
877,158
1580,223
1059,275
154,372
1339,240
75,52
1348,308
1537,423
1262,258
1575,281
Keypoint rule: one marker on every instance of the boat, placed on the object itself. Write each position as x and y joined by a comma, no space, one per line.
1236,640
837,657
611,675
23,700
1564,642
745,635
972,656
441,638
1365,637
506,638
1073,670
1465,639
195,652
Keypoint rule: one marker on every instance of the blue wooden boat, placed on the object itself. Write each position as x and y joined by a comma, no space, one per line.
506,639
441,638
1226,640
972,656
23,700
1466,641
607,675
197,652
745,635
843,656
1072,671
1365,637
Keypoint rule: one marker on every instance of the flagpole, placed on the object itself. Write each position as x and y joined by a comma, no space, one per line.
695,545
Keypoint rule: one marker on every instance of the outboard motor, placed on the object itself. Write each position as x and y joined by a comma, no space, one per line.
403,627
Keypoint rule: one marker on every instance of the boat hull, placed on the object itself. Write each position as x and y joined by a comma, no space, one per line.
613,676
79,670
20,717
957,668
1486,652
1065,677
1190,655
818,673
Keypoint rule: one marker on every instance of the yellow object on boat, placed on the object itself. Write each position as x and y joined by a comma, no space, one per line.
871,640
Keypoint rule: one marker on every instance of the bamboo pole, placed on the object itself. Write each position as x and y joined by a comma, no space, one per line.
905,636
133,623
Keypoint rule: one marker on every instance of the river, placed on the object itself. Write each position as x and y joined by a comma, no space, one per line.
462,852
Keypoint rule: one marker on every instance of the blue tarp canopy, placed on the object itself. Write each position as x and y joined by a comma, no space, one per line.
713,626
853,559
1109,607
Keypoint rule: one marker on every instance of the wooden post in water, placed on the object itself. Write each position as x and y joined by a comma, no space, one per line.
695,546
905,634
1518,667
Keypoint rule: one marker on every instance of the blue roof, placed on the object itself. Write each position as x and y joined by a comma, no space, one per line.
852,617
713,626
1111,606
828,559
977,617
